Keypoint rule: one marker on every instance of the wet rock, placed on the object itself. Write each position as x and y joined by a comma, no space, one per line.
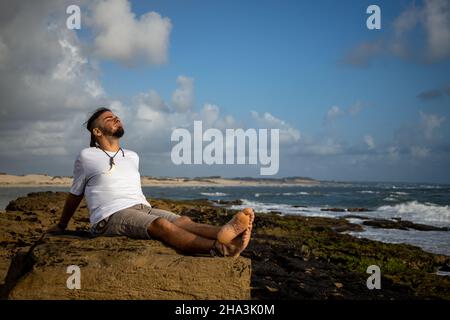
348,227
354,216
276,212
228,202
402,225
357,209
333,209
445,268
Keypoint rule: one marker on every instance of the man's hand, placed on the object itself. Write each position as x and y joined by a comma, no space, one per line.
72,202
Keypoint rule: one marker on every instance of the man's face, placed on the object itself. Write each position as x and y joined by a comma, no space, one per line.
110,124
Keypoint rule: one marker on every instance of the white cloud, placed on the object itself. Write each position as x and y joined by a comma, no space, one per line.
419,152
324,146
406,21
151,120
437,25
429,123
393,153
333,113
355,108
183,97
47,86
94,89
369,142
152,101
421,33
123,37
336,112
363,53
434,19
288,134
72,63
118,108
4,53
210,114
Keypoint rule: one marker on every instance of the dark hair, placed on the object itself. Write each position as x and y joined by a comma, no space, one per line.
91,121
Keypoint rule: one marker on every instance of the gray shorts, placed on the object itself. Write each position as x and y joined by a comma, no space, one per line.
132,222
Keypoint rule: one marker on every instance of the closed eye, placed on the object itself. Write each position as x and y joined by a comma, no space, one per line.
111,118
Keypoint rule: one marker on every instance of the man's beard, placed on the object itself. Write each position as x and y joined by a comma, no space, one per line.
119,132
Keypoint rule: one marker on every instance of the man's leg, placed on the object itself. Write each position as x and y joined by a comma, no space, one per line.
201,229
237,225
186,241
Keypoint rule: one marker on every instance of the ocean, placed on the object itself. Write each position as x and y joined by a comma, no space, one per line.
417,202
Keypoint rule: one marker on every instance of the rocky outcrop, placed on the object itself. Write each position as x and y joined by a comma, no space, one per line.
402,225
34,266
122,268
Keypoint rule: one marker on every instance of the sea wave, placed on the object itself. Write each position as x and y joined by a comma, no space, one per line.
214,194
427,213
301,193
265,207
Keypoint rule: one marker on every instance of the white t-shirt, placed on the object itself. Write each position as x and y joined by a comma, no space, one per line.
107,191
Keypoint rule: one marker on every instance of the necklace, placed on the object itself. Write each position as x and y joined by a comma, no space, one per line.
111,159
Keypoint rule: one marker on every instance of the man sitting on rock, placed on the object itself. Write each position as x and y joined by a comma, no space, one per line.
109,178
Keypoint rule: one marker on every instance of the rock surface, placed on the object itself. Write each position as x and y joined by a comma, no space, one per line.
121,268
33,266
402,225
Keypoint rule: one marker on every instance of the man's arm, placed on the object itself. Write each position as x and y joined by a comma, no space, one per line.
71,205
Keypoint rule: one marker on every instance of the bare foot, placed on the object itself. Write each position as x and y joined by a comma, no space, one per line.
249,212
236,246
238,224
244,241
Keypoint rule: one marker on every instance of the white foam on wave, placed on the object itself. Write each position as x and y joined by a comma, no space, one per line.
431,241
414,211
286,209
259,194
214,194
426,186
427,213
368,191
301,193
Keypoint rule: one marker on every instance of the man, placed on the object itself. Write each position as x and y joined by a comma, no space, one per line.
108,176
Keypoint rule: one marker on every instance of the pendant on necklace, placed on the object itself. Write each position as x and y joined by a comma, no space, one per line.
112,165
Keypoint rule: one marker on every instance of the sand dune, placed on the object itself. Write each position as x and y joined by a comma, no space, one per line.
35,180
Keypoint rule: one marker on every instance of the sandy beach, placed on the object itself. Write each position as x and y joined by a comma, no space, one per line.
37,180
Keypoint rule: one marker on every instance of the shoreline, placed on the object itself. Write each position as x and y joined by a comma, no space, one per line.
38,180
293,257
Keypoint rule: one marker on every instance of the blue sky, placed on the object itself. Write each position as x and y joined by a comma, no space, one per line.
367,104
283,57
